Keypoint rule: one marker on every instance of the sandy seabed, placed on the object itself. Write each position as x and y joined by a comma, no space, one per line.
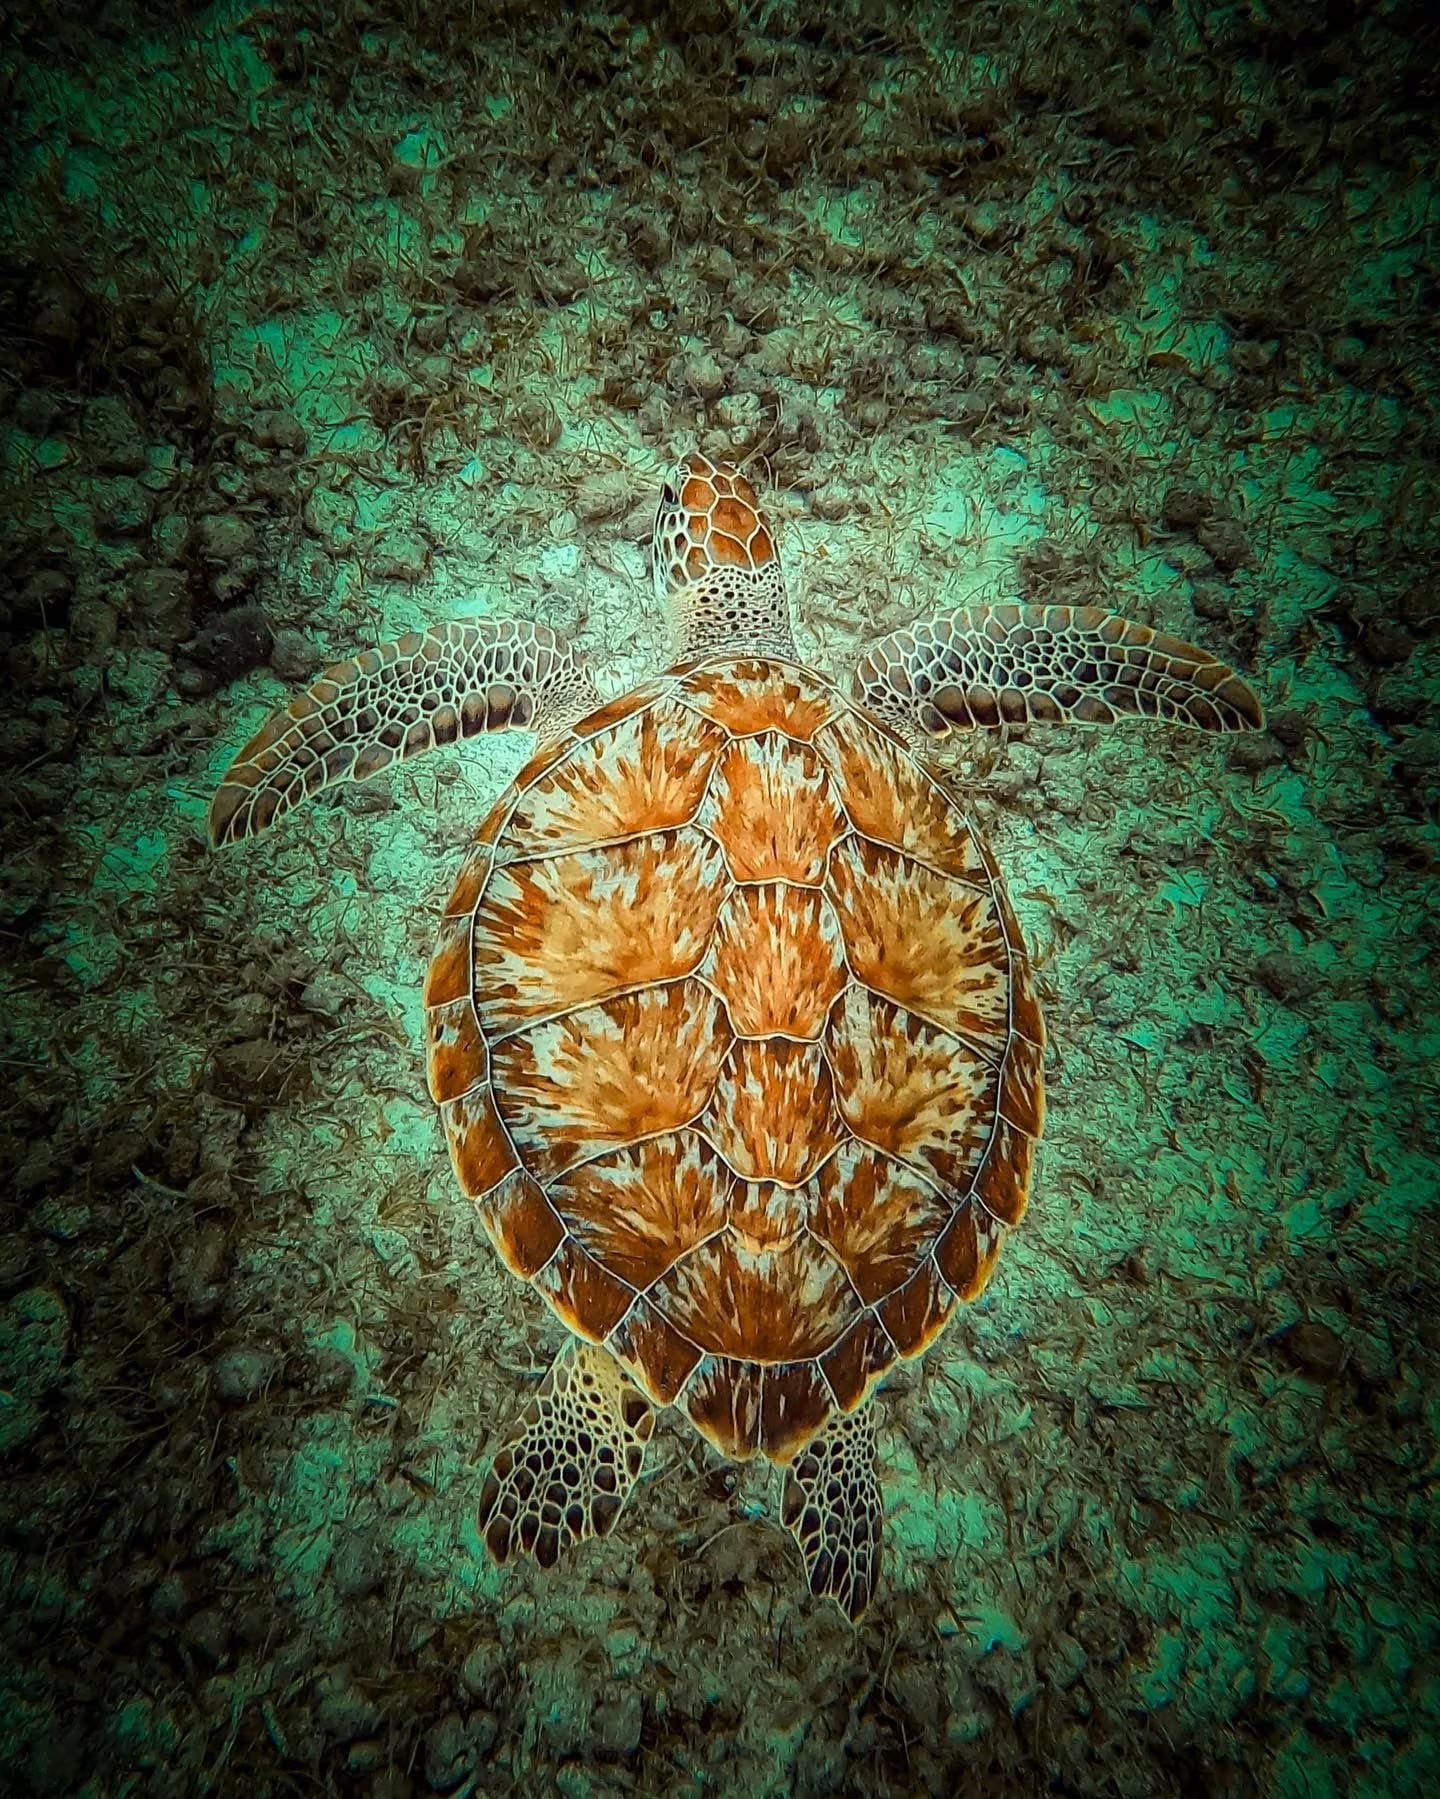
321,322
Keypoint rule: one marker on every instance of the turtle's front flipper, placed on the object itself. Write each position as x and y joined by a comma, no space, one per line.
832,1508
400,699
572,1461
997,665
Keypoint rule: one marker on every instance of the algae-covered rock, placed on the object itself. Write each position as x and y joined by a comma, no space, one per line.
34,1335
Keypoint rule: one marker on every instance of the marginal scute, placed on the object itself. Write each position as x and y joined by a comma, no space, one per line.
723,1398
1003,1181
497,817
794,1404
915,1314
470,882
448,977
857,1360
481,1152
614,711
583,1293
1022,1091
1026,1017
522,1223
1009,924
539,765
458,1059
660,1357
968,1250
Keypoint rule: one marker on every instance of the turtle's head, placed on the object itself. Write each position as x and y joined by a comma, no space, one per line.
714,564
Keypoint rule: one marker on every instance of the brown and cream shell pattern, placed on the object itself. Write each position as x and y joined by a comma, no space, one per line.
736,1046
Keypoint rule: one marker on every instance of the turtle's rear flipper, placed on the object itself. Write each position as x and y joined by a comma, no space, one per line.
832,1508
428,688
572,1461
998,665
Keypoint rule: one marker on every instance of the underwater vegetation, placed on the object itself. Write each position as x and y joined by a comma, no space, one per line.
324,324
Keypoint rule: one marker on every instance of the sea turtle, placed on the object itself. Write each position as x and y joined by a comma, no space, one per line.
730,1023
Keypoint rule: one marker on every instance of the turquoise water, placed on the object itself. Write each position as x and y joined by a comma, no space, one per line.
348,320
